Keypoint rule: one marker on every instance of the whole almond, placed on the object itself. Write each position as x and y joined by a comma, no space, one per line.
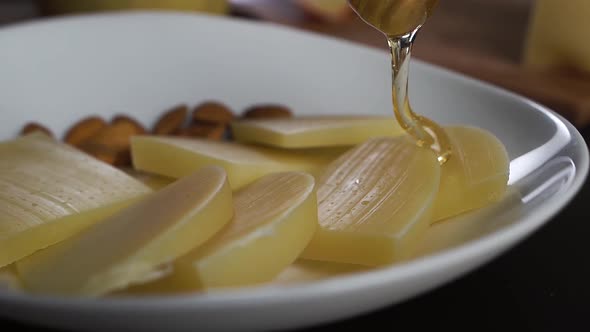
121,118
84,129
172,121
112,143
212,112
106,154
267,112
33,127
204,130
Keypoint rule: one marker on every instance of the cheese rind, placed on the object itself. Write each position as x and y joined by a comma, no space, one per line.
134,245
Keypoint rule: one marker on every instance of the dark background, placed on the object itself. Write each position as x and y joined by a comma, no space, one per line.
543,284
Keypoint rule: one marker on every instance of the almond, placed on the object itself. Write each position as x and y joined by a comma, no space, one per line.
212,112
112,143
204,130
172,121
106,154
121,118
84,129
32,127
267,112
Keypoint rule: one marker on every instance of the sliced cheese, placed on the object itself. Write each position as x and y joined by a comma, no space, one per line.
134,245
275,217
374,202
311,132
177,157
476,175
50,191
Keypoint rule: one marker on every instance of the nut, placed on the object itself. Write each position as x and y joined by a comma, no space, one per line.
121,118
213,113
84,129
107,155
172,121
267,112
204,130
112,143
33,127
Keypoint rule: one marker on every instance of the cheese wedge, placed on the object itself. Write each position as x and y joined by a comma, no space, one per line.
476,175
374,201
556,35
309,132
275,217
135,244
49,191
177,157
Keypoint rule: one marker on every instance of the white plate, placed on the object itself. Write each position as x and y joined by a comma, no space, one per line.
57,71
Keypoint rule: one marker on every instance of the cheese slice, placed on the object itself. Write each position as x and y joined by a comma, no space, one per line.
49,191
275,217
134,245
177,157
374,202
310,132
476,175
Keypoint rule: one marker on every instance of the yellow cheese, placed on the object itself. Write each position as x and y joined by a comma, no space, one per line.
177,157
303,270
475,176
557,34
154,181
309,132
275,217
49,191
374,201
135,244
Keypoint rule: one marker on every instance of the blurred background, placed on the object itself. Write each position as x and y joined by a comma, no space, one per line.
532,47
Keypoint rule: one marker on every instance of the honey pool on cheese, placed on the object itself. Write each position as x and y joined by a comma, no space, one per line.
476,175
310,132
176,157
374,201
49,191
134,245
275,218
